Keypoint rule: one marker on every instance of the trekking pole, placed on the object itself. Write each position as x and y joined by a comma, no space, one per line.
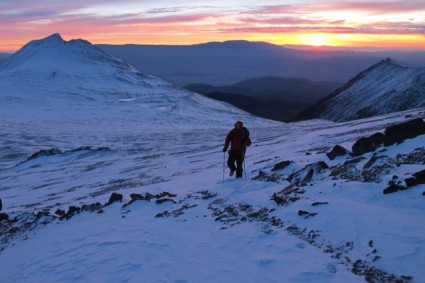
224,158
244,167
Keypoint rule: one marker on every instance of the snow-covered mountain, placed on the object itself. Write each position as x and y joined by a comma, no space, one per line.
77,82
117,195
383,88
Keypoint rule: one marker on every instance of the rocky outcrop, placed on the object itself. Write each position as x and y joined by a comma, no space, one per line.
281,165
337,151
115,197
418,178
367,144
303,176
407,130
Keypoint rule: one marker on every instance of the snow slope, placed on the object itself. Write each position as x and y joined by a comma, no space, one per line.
383,88
207,227
56,80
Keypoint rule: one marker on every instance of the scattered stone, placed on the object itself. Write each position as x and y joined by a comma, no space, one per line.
393,188
288,195
372,274
262,176
205,195
306,214
135,197
372,160
279,200
407,130
281,165
417,179
165,194
71,212
410,182
114,198
149,196
60,212
303,176
337,151
94,207
3,216
319,203
367,144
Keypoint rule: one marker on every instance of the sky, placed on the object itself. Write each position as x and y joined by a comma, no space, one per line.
395,24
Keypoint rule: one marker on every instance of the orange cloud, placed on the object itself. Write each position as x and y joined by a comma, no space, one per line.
349,23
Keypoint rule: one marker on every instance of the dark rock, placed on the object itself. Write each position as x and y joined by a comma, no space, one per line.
3,216
281,165
319,203
41,214
44,152
71,212
135,197
73,209
308,176
1,205
407,130
372,161
423,193
410,182
165,194
93,207
367,144
60,212
114,198
262,176
306,214
420,177
303,176
377,138
149,196
279,200
337,151
393,189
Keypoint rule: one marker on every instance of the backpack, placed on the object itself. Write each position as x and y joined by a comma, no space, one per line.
246,140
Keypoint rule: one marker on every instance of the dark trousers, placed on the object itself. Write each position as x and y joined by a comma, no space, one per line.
238,157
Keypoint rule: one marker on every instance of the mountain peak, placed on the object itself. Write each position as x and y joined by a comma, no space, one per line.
388,62
53,52
382,88
56,37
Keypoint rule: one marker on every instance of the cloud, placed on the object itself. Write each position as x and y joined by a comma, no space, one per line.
377,7
384,29
164,20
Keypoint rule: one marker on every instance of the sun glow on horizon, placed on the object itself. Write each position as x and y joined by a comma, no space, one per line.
353,24
317,39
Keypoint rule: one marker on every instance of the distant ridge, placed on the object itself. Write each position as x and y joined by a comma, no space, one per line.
383,88
224,63
270,97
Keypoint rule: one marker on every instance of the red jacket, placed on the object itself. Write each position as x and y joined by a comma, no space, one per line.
238,139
